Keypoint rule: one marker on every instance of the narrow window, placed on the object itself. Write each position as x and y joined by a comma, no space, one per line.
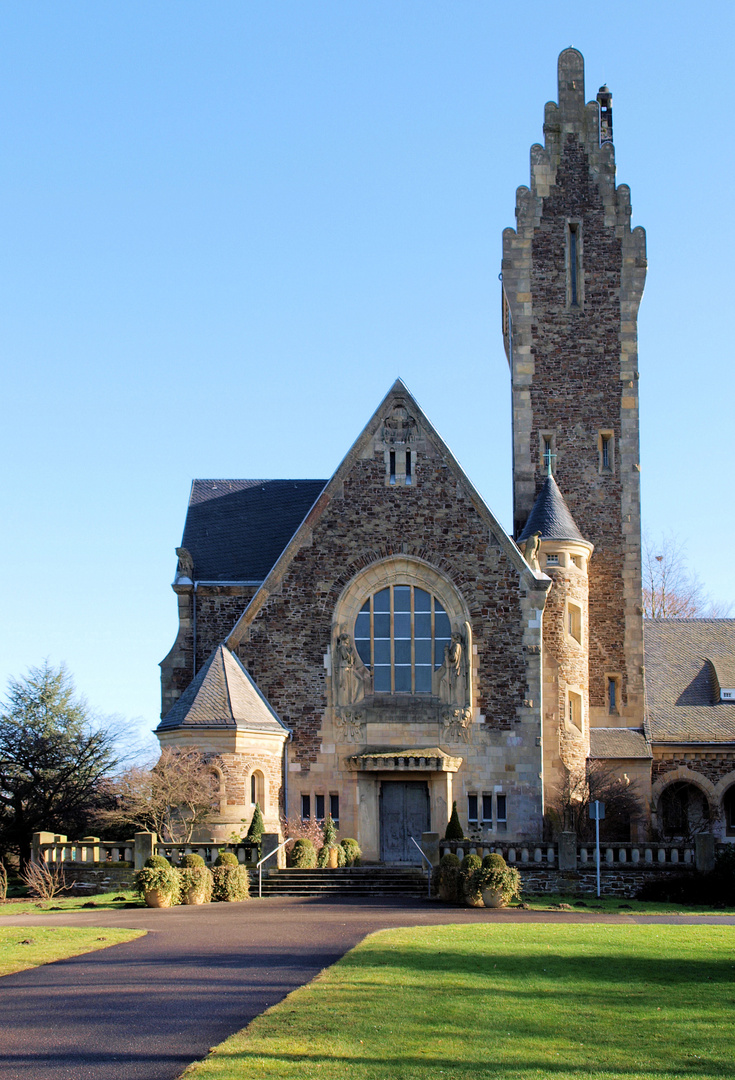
577,561
487,808
305,807
574,623
408,467
575,710
319,806
334,807
472,809
612,695
502,818
547,452
253,792
573,266
392,466
606,451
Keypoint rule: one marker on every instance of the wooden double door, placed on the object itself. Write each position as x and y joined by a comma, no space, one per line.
404,813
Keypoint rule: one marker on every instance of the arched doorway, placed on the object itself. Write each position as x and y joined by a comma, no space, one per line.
728,806
683,811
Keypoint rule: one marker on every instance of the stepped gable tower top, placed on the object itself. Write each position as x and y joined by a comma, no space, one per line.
551,517
223,695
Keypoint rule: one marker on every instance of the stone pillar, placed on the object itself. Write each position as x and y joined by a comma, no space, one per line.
568,851
145,846
430,847
704,853
269,843
37,840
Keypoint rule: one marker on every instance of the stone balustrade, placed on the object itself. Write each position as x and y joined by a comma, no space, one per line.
636,855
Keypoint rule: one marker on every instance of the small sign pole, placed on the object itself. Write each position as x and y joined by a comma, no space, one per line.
597,812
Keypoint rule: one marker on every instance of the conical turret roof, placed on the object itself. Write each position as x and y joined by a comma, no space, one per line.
223,696
551,516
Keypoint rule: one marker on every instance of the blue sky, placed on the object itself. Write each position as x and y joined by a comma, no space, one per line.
228,227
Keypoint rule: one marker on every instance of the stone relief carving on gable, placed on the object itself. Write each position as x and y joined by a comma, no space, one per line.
457,724
399,427
351,725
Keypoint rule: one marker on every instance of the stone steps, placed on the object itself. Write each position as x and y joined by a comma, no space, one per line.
349,881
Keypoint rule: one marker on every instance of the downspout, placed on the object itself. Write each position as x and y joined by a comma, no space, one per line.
194,631
285,774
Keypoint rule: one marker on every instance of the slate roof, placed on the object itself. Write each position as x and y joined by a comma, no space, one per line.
235,530
223,696
679,690
550,516
615,742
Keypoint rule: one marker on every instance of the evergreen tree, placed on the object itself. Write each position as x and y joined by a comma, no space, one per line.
257,826
454,829
329,832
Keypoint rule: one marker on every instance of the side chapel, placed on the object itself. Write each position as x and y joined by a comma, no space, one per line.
375,645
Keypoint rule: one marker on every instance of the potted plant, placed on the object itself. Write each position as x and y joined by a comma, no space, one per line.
497,882
196,880
331,854
158,882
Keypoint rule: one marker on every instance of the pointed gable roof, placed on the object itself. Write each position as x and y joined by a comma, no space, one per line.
398,396
223,696
551,516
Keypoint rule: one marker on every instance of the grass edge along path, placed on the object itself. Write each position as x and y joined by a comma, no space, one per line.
23,947
108,901
505,1002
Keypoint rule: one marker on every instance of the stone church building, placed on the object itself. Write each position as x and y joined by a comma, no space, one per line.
375,645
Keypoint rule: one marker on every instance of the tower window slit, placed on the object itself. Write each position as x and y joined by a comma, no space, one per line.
573,256
392,466
408,467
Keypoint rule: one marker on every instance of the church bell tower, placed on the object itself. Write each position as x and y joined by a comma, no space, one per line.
573,274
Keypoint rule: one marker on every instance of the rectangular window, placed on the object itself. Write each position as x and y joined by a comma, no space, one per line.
576,561
502,819
574,623
613,694
472,809
305,807
392,466
334,807
552,560
487,808
547,451
319,806
408,467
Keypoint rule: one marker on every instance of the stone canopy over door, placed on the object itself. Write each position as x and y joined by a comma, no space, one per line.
404,813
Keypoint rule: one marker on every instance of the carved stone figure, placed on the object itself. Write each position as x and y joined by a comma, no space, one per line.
399,427
185,567
351,678
351,725
531,549
455,681
457,724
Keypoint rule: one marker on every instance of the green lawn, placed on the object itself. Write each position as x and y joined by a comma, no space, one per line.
25,947
616,905
504,1001
105,901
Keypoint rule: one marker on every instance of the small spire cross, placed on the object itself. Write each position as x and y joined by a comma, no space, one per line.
548,458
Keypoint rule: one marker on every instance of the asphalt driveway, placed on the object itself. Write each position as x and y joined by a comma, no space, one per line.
146,1009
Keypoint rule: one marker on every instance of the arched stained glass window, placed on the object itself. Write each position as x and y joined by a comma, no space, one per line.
400,633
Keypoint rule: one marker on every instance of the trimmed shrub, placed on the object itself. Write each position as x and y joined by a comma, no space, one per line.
226,858
257,826
231,883
454,829
329,831
322,857
341,856
303,855
190,861
495,861
504,880
449,878
470,863
157,860
352,851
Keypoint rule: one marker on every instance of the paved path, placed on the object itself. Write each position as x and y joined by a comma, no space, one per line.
145,1009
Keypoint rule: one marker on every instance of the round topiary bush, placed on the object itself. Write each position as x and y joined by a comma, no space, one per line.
352,851
192,860
495,861
470,863
303,855
226,858
157,860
